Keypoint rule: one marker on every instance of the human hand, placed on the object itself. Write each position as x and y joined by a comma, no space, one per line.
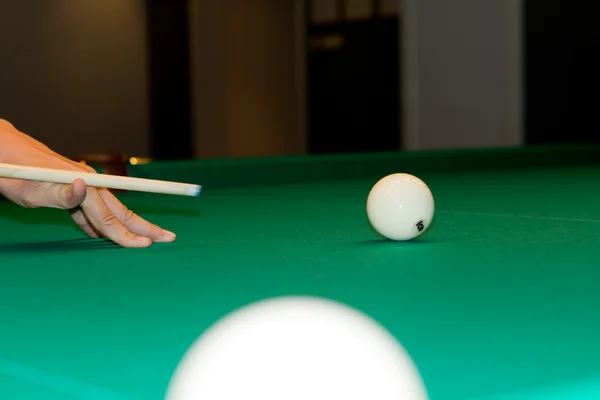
95,210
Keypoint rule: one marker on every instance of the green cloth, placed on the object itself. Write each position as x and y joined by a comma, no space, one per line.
498,301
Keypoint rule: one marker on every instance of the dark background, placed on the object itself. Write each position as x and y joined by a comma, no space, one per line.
562,71
354,93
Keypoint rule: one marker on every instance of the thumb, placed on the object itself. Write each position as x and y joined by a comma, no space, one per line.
70,196
63,196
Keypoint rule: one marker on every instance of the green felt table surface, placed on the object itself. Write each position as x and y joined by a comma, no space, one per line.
499,300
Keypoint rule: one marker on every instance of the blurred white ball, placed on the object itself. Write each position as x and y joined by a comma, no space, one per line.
296,348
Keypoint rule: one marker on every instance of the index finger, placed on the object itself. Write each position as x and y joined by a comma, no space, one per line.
105,221
134,222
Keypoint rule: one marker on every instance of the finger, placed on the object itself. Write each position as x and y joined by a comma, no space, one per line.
84,224
130,220
105,221
66,196
74,194
53,195
134,222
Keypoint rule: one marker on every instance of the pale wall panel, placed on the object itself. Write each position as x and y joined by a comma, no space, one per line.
462,73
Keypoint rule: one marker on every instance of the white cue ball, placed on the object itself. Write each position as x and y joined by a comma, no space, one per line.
400,207
296,348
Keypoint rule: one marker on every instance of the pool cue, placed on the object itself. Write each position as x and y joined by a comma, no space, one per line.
12,171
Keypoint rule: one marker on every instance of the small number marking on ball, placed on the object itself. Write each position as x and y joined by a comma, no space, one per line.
420,226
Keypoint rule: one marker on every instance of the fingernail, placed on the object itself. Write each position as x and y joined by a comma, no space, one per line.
169,235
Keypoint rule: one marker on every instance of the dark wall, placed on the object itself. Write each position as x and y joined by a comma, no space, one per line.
353,86
562,71
169,79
